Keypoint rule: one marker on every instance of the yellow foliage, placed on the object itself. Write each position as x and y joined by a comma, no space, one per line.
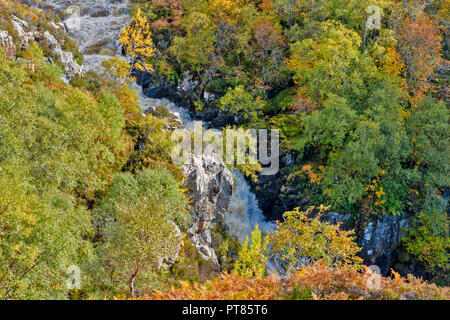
137,41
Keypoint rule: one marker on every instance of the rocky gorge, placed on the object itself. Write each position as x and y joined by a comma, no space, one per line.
209,181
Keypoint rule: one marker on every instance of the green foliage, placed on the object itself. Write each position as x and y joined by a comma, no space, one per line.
283,101
59,146
240,102
428,239
430,137
301,239
117,71
137,227
252,256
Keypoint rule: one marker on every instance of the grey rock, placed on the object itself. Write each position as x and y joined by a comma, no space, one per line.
6,41
20,26
210,186
187,85
71,67
334,218
380,239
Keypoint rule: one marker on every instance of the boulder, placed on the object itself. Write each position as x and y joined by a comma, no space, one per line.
21,26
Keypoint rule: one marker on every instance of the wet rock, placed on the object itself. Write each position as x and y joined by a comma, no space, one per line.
335,218
380,240
210,186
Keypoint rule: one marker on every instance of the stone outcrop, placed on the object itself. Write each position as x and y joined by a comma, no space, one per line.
71,67
381,238
210,186
28,33
20,26
6,41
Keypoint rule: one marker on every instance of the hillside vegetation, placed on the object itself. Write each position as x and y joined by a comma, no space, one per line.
87,180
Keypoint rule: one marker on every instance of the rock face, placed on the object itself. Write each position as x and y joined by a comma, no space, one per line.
187,85
71,67
380,240
6,41
28,33
210,186
20,26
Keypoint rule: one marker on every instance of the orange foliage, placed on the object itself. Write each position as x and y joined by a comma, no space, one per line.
318,281
420,46
176,12
225,287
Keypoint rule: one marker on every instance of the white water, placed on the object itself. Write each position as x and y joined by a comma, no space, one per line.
97,36
244,212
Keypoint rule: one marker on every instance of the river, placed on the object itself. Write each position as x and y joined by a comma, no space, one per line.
95,26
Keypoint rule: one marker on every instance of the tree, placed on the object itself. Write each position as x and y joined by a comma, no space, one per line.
138,227
430,136
301,239
137,41
327,62
240,102
252,257
117,71
428,238
59,146
419,41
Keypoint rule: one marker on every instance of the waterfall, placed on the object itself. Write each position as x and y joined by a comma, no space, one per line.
100,24
244,212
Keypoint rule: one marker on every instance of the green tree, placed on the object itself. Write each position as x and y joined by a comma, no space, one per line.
301,239
240,102
138,227
252,256
117,71
428,238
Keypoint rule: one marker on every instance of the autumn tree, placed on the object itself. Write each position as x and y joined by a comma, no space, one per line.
137,41
138,227
326,62
419,41
301,239
252,256
117,71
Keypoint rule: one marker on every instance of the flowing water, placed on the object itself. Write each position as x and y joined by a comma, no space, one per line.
95,25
